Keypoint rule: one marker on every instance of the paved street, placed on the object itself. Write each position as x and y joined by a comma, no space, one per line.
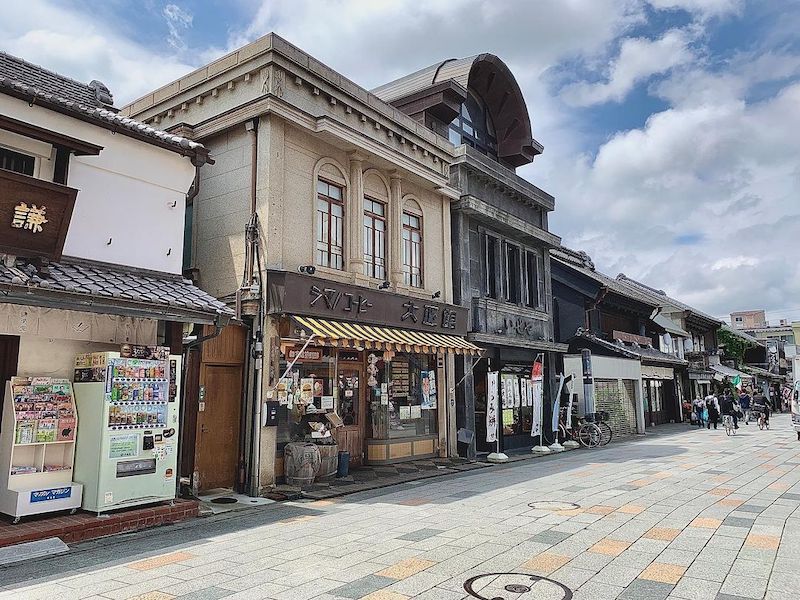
682,514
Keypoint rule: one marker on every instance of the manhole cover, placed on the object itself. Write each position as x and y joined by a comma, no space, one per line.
224,500
553,505
515,586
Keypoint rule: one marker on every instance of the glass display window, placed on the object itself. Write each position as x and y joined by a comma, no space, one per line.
307,391
403,395
516,400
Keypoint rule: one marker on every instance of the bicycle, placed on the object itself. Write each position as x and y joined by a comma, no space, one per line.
727,423
594,431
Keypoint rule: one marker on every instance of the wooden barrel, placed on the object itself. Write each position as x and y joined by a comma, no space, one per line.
329,461
301,463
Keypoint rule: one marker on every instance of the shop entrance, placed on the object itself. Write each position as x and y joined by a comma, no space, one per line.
660,398
217,447
352,406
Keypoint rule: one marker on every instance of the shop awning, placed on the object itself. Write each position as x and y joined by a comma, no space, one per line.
340,334
728,372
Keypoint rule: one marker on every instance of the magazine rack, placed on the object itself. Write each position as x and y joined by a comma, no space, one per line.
37,447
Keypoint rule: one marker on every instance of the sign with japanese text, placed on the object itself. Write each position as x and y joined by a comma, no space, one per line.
51,494
34,215
304,295
491,406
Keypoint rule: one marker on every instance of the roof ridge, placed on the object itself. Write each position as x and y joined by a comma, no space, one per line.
54,73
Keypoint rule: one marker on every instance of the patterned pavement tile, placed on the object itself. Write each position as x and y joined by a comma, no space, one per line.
765,542
706,523
631,509
610,547
545,563
721,491
666,534
385,595
406,568
730,502
600,510
663,573
160,561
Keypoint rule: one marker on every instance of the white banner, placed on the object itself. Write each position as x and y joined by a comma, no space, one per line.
491,406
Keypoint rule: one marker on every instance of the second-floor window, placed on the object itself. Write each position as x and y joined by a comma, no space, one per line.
412,250
512,273
533,283
330,225
374,239
491,266
16,161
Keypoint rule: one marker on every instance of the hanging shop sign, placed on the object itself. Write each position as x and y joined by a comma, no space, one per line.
296,294
34,215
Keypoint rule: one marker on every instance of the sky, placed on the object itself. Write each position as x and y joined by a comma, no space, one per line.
671,128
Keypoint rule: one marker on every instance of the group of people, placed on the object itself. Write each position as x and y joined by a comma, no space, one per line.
708,411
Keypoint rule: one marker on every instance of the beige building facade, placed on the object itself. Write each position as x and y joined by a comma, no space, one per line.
325,220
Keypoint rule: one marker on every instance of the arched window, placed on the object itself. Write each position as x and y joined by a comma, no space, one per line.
474,126
330,225
374,238
412,245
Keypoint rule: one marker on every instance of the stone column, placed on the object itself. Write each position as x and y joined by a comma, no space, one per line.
395,229
354,228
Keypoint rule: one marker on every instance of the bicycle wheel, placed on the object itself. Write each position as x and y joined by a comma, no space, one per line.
563,436
605,433
589,435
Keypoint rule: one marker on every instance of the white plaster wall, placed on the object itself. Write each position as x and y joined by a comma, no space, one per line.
48,357
126,194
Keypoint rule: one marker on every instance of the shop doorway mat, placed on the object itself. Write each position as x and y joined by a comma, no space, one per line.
29,550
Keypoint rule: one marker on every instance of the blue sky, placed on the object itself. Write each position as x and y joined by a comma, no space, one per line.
667,124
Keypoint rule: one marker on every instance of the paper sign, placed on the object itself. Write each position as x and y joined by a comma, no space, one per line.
405,413
508,416
416,412
327,402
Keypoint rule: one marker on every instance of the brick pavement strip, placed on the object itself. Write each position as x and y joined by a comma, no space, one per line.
680,514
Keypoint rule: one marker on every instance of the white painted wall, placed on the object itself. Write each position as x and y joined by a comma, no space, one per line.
126,194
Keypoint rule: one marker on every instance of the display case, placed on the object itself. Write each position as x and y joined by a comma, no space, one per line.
38,446
127,452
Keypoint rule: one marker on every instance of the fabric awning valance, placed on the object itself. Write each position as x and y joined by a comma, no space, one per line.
352,335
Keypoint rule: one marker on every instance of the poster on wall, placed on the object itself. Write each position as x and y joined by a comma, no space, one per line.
491,406
537,379
428,384
307,390
515,385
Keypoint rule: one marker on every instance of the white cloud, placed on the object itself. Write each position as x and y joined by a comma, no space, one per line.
85,47
177,20
638,60
702,8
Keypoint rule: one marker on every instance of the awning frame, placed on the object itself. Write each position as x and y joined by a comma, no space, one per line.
341,334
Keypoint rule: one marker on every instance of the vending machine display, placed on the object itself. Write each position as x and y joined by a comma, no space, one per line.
37,443
127,452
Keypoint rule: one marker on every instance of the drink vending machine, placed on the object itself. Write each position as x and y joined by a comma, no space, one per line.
127,447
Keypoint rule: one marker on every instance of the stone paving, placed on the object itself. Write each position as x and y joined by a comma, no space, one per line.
685,514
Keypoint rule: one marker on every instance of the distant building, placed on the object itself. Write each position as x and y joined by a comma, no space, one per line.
748,319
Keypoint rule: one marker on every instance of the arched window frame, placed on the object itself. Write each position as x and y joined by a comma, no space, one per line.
335,175
474,126
376,241
413,236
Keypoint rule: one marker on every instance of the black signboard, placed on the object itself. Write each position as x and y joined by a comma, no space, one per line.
303,295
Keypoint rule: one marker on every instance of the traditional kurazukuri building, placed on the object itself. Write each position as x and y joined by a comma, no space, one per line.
326,221
500,237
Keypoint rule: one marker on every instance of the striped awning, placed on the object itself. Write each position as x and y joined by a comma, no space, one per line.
352,335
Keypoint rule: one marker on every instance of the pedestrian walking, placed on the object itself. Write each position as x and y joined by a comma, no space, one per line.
744,404
712,406
699,406
728,408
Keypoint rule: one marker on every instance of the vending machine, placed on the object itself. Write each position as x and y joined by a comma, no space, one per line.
127,449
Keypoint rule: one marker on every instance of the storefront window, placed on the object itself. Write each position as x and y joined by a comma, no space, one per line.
402,395
306,393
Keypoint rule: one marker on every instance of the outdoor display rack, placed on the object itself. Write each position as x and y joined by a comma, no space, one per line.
37,446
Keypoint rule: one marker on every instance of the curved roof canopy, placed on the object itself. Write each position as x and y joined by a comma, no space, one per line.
488,77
